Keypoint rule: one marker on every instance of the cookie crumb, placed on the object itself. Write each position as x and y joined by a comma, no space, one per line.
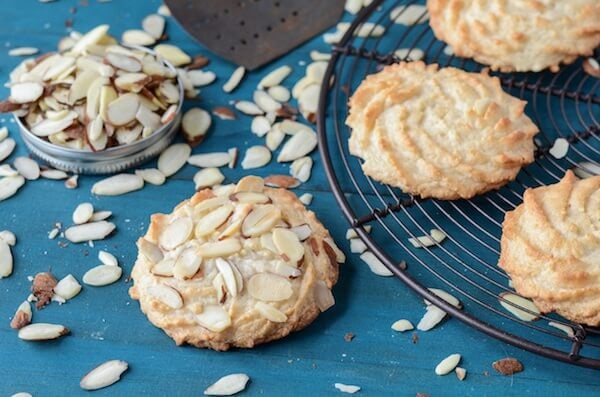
508,366
43,288
349,336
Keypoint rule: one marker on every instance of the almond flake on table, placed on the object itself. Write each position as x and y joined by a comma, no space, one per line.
173,158
461,373
210,160
351,233
350,389
83,213
275,77
274,138
447,365
260,126
118,184
256,157
264,101
235,79
89,231
279,93
104,375
435,237
228,385
409,15
375,264
135,37
201,78
559,149
53,174
301,168
9,185
22,317
100,216
195,124
299,145
68,287
22,51
357,246
152,176
433,316
6,148
71,182
516,304
208,177
249,108
224,113
402,325
102,275
42,331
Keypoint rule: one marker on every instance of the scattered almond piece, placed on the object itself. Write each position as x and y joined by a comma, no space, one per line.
508,366
234,79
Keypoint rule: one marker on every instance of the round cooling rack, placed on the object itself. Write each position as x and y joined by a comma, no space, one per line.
563,105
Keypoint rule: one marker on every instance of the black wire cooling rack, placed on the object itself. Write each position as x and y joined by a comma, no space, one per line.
563,105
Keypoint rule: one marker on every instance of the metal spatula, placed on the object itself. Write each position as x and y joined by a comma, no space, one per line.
254,32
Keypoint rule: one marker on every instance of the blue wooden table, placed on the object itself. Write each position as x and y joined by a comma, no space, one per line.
107,324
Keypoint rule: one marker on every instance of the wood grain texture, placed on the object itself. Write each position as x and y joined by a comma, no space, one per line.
107,324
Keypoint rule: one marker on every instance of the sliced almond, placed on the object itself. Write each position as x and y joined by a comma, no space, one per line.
6,260
165,268
301,168
323,296
260,220
81,85
22,316
83,213
269,287
213,220
150,250
445,296
299,145
275,77
433,316
200,78
300,86
375,264
108,259
447,365
54,174
357,246
48,126
260,126
279,93
208,177
22,51
303,232
209,204
154,25
402,325
152,176
117,185
256,157
214,318
90,38
6,148
138,37
270,313
249,108
27,167
221,248
228,385
274,138
265,101
68,287
100,216
89,231
195,124
235,79
210,160
123,110
250,198
224,113
282,181
10,185
288,245
176,233
102,275
167,295
42,331
173,158
409,15
103,375
173,54
250,183
8,237
133,82
515,304
226,270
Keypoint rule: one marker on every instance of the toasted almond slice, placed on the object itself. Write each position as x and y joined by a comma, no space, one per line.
274,138
213,220
150,250
256,157
102,275
8,237
167,295
27,167
214,318
173,158
195,124
6,260
173,54
299,145
68,287
25,92
6,148
138,37
288,245
517,303
83,213
54,174
152,176
402,325
89,231
200,78
228,385
117,185
301,168
123,110
270,313
250,198
250,183
226,270
235,79
249,108
447,365
433,316
154,25
375,264
208,177
210,160
104,375
220,248
260,220
260,126
269,287
275,77
282,181
265,102
42,331
176,233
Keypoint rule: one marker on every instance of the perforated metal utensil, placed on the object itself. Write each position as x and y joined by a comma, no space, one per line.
253,32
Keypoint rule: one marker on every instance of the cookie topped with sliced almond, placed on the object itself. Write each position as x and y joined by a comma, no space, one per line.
235,266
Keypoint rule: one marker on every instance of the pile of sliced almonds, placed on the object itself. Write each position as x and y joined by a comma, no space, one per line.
94,95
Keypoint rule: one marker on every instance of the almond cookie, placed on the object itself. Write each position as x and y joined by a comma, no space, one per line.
441,133
518,35
550,248
235,266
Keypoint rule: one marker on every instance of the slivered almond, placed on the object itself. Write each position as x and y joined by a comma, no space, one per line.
249,108
176,233
71,182
89,231
195,124
187,264
279,93
42,331
256,157
152,176
274,138
250,198
375,264
445,296
6,148
299,145
100,216
68,287
22,51
270,313
214,318
260,220
433,316
154,25
173,158
220,248
200,78
250,183
83,213
269,287
275,77
10,185
291,127
54,174
228,385
27,167
517,303
208,177
288,245
226,270
210,160
103,375
260,126
265,101
106,258
447,365
234,79
102,275
6,260
213,220
150,250
117,185
402,325
282,181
